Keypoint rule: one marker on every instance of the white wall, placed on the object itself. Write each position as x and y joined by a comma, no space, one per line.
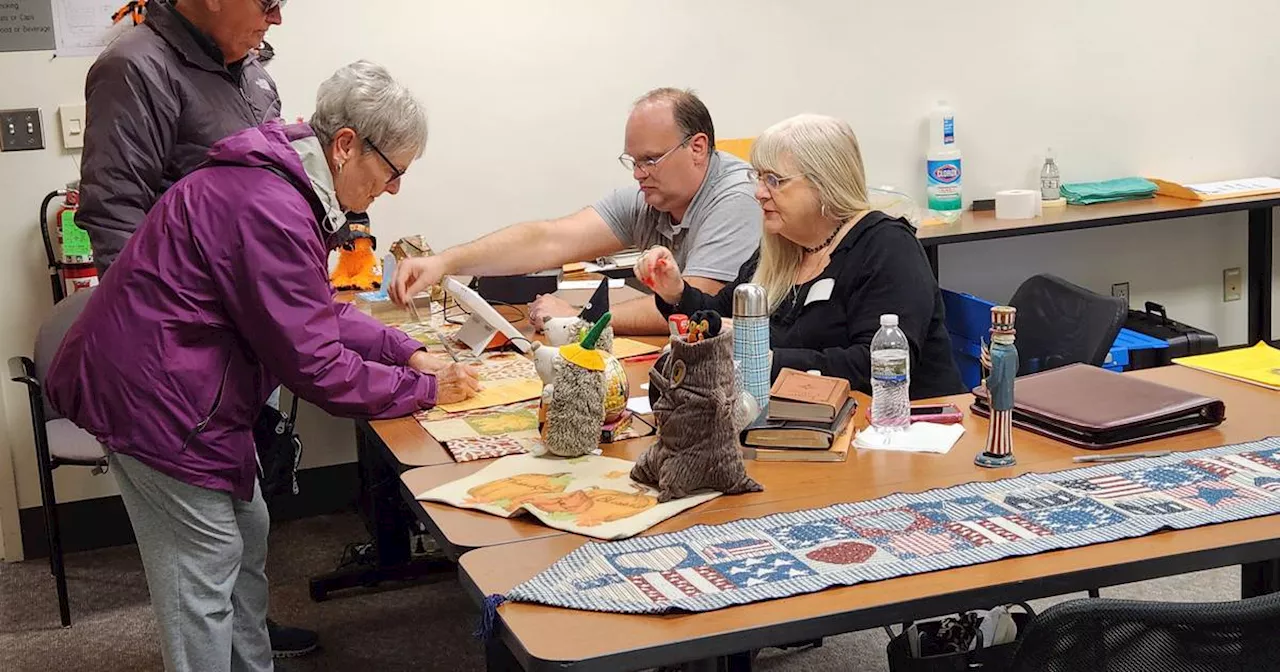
527,103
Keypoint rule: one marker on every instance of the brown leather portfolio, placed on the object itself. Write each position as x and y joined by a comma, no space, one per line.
1090,407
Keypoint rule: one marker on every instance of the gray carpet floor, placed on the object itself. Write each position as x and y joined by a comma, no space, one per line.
425,627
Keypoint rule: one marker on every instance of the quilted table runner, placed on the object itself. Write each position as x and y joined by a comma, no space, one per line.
592,495
710,567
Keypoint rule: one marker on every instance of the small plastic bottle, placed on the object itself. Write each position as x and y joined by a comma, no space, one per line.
1050,180
890,377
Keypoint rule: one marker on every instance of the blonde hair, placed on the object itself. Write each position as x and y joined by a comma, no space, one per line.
825,150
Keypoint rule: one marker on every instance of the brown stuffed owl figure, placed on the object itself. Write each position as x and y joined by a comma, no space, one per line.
697,447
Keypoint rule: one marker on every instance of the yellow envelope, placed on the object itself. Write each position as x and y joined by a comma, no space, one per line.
626,347
499,394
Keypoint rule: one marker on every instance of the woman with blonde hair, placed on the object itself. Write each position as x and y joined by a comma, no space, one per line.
831,265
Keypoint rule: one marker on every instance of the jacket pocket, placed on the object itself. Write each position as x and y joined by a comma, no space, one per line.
213,409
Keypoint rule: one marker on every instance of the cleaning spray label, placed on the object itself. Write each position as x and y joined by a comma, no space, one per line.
944,184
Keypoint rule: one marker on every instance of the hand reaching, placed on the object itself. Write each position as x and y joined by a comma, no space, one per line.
413,275
658,270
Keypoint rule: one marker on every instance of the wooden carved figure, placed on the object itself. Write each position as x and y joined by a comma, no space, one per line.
1003,356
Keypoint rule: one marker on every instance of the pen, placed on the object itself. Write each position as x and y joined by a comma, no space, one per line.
1119,456
413,308
644,358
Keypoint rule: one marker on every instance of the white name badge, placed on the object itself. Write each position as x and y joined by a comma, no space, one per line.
820,291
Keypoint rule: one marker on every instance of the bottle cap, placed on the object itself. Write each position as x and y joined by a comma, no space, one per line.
888,320
750,300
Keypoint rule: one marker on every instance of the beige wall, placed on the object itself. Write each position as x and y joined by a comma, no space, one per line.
527,102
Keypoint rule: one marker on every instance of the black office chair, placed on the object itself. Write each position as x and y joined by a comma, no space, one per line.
58,441
1060,323
1106,635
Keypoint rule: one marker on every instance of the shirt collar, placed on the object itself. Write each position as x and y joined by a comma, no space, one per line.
311,153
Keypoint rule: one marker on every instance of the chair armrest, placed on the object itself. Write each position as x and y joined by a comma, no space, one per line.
23,370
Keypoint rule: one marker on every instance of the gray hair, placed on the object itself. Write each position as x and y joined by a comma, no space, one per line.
365,98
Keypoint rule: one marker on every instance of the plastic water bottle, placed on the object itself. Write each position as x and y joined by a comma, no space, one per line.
890,377
1050,180
944,170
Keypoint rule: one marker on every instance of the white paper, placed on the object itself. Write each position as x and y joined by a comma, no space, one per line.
1245,185
921,437
614,283
83,27
639,405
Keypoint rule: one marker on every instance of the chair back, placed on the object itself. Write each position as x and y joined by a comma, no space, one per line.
1106,635
1060,323
739,147
50,336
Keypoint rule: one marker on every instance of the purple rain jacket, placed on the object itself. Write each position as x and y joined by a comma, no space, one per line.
221,295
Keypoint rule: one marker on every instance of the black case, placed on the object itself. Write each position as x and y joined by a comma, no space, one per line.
1184,340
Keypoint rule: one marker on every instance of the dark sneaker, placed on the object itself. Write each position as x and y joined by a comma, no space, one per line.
287,642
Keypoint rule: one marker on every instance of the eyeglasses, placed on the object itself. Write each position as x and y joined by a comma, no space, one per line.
270,5
771,180
646,165
396,172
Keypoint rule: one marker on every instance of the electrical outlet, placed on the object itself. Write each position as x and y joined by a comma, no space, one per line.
21,129
1121,290
1231,290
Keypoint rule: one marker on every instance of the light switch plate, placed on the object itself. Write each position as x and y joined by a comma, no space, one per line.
21,130
72,119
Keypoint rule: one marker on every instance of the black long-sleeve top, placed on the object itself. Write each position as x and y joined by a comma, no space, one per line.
878,267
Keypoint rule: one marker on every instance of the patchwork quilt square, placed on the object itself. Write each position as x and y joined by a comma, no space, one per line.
1214,494
662,559
1084,514
749,572
1105,487
1041,496
959,509
1169,476
800,536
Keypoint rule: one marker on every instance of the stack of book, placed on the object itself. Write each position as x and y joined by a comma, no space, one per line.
809,419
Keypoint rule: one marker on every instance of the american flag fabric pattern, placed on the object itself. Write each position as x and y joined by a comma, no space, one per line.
709,567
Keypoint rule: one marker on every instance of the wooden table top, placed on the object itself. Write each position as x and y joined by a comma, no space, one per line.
538,630
464,529
983,225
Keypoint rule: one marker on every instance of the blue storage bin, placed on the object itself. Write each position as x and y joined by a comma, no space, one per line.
969,321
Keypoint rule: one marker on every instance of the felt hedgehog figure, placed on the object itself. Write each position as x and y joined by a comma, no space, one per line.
575,402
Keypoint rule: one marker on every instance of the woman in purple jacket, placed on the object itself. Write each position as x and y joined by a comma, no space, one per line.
220,296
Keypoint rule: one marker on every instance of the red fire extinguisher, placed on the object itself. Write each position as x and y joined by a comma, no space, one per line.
71,259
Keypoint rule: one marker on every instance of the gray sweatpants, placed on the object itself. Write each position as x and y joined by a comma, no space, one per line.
205,555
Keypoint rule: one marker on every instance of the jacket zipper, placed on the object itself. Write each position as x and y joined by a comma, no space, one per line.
217,402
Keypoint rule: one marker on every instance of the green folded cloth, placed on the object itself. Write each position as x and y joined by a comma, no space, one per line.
1121,189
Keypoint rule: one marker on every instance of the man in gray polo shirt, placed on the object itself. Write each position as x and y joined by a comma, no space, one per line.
689,197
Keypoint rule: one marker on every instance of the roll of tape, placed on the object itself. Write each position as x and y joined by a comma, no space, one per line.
1017,204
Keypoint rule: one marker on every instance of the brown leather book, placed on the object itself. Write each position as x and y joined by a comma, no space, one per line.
797,395
1090,407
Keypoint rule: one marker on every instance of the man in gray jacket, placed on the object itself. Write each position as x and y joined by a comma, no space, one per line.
156,100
